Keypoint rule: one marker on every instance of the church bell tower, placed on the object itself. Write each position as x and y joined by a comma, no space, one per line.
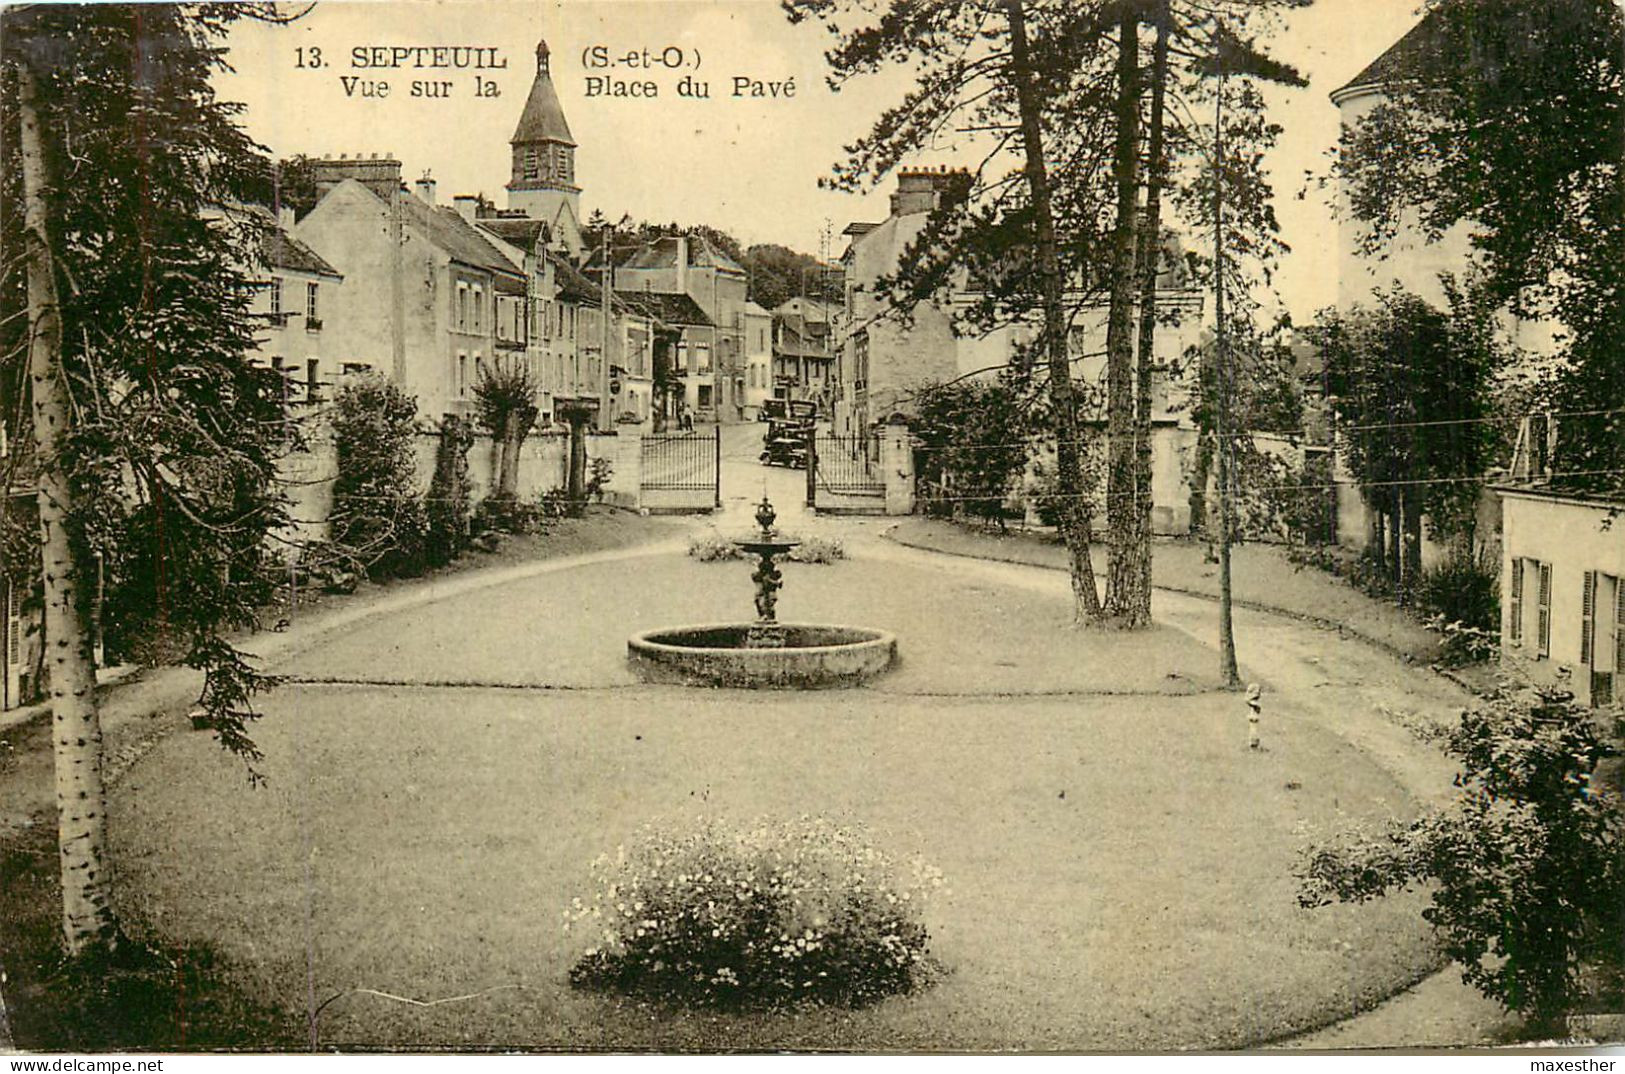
544,161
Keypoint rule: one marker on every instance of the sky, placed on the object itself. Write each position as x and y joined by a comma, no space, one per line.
744,163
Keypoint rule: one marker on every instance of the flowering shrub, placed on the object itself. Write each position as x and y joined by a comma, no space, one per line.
764,916
712,548
818,550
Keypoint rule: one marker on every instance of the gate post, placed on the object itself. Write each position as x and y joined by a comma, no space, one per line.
897,466
716,467
812,467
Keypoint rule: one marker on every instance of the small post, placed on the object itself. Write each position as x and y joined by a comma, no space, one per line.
812,466
716,470
1254,708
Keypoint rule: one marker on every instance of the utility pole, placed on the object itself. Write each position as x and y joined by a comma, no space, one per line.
606,297
1227,636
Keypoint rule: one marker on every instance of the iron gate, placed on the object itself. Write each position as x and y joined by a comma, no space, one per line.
681,471
845,474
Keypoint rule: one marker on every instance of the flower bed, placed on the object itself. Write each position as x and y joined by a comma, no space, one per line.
765,916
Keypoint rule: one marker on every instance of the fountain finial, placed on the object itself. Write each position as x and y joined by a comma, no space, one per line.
766,516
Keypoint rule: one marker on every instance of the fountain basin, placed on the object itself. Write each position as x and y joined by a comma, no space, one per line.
715,654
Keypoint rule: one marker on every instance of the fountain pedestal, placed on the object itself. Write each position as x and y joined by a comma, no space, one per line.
765,653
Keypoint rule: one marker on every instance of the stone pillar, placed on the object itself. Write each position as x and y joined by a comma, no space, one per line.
628,477
897,465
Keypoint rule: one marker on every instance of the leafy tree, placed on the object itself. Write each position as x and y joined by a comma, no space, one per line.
377,518
1526,865
505,405
1509,116
294,185
971,445
1409,383
154,439
778,274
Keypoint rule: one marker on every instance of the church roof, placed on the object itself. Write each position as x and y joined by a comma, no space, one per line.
1398,61
543,117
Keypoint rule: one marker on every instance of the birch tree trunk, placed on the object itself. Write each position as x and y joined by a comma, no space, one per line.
1138,611
1122,572
87,910
1228,670
1075,510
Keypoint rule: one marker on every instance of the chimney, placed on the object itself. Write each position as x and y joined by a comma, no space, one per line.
284,217
467,205
381,176
682,263
425,189
920,191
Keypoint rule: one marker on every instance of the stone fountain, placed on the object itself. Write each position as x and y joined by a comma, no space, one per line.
765,654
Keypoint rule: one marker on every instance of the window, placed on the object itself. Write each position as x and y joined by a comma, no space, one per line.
276,298
531,168
1588,617
1543,619
311,313
479,308
462,305
705,395
1602,635
702,357
1515,604
462,375
680,362
313,383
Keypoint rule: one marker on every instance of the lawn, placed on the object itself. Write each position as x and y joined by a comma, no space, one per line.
1261,576
1118,867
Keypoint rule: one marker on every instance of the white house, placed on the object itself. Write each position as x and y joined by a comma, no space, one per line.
1563,590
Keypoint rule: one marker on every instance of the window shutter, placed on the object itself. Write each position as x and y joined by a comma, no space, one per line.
14,627
1515,623
1543,626
1619,624
1588,609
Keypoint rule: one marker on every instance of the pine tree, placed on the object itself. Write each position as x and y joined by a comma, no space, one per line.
1065,107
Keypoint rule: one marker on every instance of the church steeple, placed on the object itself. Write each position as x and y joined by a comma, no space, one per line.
543,183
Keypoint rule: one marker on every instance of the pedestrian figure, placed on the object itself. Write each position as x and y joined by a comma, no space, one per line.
1255,707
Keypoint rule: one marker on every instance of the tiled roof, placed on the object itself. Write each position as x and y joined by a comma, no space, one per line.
448,230
573,285
674,309
520,231
283,251
662,253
